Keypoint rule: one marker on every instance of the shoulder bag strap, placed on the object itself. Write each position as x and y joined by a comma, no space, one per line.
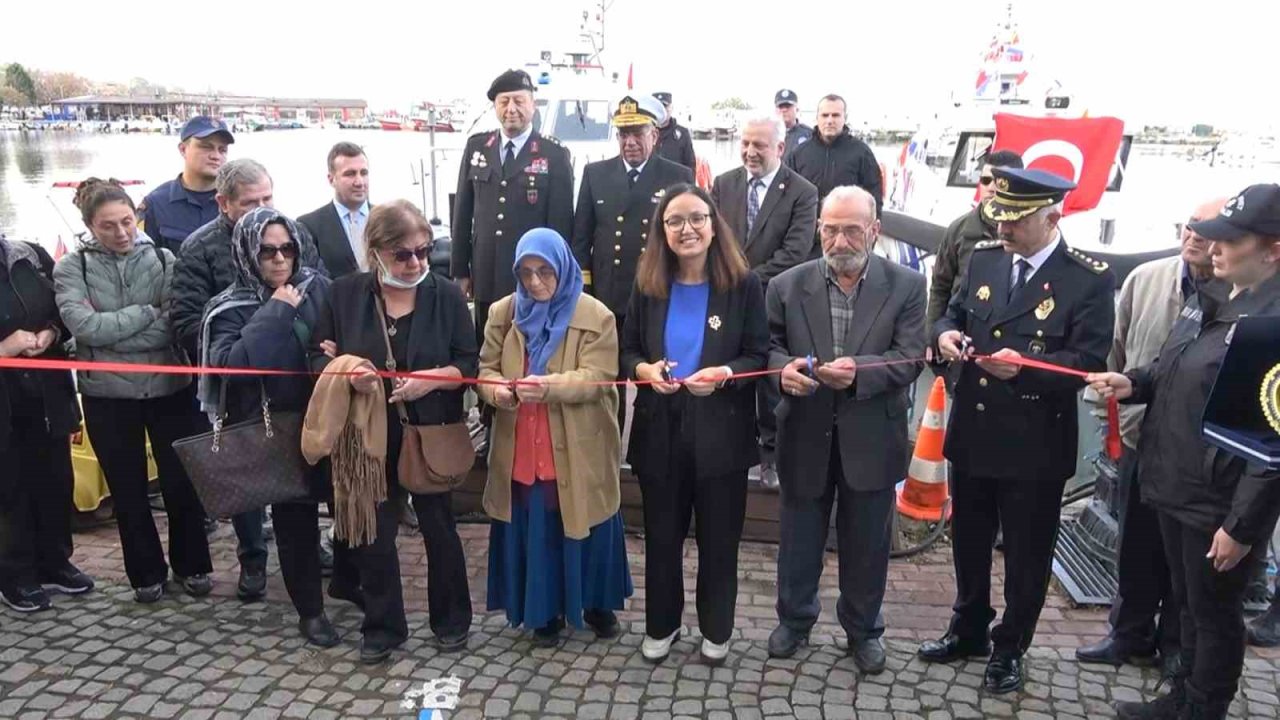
391,356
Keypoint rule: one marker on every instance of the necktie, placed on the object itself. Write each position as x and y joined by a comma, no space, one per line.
509,155
633,174
753,203
1023,269
357,240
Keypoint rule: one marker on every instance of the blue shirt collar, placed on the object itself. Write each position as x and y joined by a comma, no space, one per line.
362,212
179,193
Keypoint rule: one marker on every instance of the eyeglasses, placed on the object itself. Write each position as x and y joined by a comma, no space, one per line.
288,251
853,232
697,221
545,274
404,256
986,180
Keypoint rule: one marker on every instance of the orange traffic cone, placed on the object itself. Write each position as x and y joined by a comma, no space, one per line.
924,492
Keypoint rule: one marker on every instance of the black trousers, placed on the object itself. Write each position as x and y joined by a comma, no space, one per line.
448,588
864,525
1212,605
481,318
118,429
1027,508
671,500
1144,590
767,398
36,484
298,540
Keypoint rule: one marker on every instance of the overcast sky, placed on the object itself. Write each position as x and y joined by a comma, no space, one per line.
1141,60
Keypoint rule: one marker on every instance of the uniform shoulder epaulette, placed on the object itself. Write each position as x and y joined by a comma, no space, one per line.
482,136
553,140
1094,265
988,245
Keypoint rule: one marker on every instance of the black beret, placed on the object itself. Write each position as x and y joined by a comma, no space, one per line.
509,81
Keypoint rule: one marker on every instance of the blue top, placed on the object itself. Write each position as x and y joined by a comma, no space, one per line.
171,212
686,320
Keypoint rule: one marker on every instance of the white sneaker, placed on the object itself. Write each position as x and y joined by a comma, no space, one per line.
712,653
656,650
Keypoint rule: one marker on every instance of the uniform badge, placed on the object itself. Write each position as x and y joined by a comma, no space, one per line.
479,160
533,197
1271,397
1002,184
1044,308
714,322
533,147
1036,347
538,166
492,139
984,293
679,134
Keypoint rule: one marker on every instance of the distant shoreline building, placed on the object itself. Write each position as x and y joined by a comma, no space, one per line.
180,106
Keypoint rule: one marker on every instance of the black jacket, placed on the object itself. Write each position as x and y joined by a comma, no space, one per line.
205,268
723,424
331,240
675,143
27,303
441,334
495,207
611,225
1179,473
1026,428
846,161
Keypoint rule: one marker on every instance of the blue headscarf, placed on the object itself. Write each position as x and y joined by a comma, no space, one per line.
544,324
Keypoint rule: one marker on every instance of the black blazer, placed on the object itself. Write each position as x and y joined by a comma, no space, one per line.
724,422
611,225
869,419
441,334
783,235
325,226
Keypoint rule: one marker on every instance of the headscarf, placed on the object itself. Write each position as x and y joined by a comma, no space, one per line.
246,241
544,324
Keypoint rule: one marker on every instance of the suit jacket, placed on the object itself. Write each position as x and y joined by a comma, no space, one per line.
868,419
495,207
722,424
611,225
1065,314
783,234
331,237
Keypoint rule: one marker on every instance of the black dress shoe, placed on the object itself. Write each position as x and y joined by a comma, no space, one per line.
372,653
319,631
253,583
868,655
1171,666
355,596
1004,674
603,622
952,647
785,641
1113,651
451,643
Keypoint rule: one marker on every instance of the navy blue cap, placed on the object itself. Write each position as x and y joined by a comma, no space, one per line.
784,97
202,126
1020,192
1255,210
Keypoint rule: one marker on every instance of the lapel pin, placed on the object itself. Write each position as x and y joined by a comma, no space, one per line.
714,322
984,293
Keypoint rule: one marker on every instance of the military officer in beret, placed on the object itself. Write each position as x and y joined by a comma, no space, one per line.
1012,439
510,181
616,203
675,143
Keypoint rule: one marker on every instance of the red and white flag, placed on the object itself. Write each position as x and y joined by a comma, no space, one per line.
1082,150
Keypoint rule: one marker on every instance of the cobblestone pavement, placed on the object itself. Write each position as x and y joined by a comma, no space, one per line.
103,656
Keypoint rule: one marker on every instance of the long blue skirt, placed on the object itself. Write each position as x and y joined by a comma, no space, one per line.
536,574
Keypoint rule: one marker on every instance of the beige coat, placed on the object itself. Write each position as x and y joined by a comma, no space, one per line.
583,418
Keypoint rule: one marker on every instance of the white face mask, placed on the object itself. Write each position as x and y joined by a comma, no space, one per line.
392,281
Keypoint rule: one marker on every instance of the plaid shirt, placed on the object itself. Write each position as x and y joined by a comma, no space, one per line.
841,307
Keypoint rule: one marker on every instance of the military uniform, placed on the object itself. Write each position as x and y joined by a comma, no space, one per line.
1013,444
797,134
496,205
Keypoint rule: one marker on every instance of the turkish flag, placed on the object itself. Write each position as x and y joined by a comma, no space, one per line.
630,74
1080,149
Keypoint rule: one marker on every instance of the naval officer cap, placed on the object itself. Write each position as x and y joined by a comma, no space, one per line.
1255,210
633,111
663,97
784,97
1021,192
510,81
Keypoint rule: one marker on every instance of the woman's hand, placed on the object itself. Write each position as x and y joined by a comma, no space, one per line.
18,343
365,379
410,389
652,374
705,381
329,348
1108,384
44,339
504,398
1225,553
288,294
532,389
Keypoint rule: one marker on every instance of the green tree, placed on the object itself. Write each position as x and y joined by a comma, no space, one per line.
733,103
17,77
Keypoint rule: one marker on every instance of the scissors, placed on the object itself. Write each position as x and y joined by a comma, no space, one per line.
666,371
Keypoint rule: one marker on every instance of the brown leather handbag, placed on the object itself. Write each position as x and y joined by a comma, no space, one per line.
433,458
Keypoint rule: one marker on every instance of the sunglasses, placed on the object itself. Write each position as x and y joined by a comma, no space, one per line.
404,256
986,180
288,251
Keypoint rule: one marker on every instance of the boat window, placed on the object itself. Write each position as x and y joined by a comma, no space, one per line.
966,164
579,120
539,112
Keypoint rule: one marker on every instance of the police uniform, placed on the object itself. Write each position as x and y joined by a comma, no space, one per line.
796,134
496,205
675,143
171,211
1013,444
